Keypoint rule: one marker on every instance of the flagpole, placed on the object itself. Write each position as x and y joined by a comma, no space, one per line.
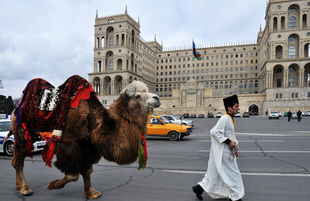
193,59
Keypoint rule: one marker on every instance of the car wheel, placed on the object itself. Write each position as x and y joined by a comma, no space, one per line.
8,148
277,117
173,136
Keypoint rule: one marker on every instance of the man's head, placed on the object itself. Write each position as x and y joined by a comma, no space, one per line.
231,104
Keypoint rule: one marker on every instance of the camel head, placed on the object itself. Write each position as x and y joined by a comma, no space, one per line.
138,97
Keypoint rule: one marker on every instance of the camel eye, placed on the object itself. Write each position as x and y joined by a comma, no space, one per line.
137,96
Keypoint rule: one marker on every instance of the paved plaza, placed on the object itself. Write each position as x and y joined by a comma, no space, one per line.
274,162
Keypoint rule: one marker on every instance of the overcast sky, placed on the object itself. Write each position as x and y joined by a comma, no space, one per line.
54,39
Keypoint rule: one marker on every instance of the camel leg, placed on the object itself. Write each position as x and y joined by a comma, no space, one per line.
90,192
57,184
18,163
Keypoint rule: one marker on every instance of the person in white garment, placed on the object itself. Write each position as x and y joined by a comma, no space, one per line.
223,178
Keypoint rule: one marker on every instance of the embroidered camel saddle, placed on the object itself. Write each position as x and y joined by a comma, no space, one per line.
43,108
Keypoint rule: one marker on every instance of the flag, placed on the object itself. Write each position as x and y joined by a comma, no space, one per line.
196,54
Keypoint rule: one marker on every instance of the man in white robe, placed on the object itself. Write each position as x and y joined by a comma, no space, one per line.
223,178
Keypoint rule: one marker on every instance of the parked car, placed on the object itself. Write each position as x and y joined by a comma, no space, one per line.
178,116
219,115
294,115
160,126
246,114
307,113
274,115
185,115
237,115
201,116
210,115
4,116
192,116
176,120
6,147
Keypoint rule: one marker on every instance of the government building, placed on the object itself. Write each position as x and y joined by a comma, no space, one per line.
270,74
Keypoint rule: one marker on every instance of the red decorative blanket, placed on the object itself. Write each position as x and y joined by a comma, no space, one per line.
43,108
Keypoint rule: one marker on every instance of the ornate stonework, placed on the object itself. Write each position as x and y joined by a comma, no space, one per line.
272,73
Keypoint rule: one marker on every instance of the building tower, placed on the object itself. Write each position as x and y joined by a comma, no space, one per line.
284,54
120,56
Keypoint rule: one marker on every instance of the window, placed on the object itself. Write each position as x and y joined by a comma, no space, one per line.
111,66
279,83
292,52
291,82
292,23
111,40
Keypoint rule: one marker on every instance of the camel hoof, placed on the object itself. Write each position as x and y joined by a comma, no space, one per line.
92,194
26,191
52,185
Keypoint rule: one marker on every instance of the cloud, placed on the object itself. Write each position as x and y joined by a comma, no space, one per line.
53,39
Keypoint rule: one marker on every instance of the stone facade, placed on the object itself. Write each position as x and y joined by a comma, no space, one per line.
272,73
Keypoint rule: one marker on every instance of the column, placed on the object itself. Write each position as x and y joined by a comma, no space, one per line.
285,78
112,87
271,78
301,77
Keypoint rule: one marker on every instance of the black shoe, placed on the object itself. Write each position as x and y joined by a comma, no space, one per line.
237,200
198,191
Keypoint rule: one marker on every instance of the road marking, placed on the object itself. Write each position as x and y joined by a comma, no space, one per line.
244,173
205,151
250,140
279,135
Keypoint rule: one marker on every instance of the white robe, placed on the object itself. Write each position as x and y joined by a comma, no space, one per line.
223,178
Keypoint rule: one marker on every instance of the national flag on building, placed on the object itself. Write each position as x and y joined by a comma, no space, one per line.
196,54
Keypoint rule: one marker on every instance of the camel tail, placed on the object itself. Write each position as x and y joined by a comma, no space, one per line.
9,134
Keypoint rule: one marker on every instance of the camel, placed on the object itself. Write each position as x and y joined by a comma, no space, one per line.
91,132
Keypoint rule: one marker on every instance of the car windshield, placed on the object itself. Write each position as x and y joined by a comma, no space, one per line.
5,126
176,118
165,120
274,113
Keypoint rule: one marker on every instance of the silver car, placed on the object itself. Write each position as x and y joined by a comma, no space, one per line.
274,115
175,120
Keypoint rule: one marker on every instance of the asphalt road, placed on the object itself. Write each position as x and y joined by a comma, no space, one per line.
274,160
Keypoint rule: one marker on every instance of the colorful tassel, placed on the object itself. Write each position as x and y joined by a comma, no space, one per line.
49,150
29,144
142,152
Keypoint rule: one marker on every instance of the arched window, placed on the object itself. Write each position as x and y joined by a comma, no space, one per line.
97,42
292,10
102,42
99,66
282,22
307,50
275,23
292,52
304,21
279,51
279,70
292,23
291,69
292,38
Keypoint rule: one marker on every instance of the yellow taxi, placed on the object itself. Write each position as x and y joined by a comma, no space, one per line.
160,126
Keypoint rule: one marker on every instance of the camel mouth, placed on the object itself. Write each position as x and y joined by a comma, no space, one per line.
154,105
